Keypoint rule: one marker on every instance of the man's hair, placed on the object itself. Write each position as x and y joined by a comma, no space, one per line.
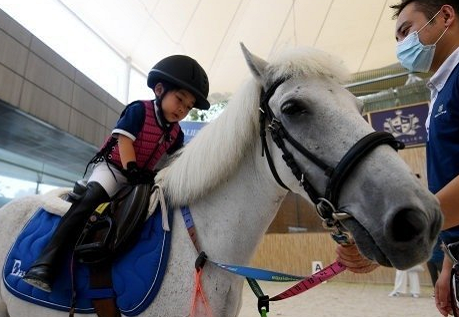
428,7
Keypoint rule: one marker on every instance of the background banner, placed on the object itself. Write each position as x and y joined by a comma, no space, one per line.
190,128
406,124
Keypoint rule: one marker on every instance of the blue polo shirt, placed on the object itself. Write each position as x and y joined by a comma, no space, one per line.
437,253
131,120
442,148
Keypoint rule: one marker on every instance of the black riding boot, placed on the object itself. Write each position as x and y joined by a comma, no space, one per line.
42,272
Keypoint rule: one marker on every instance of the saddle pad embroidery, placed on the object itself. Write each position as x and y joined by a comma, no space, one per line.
136,276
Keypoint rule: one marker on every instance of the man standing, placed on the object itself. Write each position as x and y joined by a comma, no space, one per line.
427,32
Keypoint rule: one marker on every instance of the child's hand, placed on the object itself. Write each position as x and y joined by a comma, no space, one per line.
132,173
136,175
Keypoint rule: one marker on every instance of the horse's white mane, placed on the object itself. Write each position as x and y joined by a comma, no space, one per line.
215,152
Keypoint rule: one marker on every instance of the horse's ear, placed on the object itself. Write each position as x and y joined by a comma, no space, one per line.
256,64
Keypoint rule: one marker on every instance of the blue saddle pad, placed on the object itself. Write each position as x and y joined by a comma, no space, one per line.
137,275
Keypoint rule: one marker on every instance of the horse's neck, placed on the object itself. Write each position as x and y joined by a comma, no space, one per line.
232,219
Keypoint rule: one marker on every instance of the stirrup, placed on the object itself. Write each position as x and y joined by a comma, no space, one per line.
93,246
37,284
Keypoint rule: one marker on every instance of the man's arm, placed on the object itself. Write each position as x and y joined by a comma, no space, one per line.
355,262
442,288
449,203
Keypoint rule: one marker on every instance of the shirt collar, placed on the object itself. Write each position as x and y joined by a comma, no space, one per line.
438,80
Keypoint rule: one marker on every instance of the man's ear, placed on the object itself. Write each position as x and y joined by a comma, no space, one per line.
159,89
449,14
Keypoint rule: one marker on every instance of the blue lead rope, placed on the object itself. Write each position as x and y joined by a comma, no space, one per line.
258,274
250,273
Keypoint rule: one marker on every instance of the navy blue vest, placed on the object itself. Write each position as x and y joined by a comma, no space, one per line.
442,148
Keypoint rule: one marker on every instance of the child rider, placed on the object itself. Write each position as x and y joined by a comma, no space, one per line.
145,132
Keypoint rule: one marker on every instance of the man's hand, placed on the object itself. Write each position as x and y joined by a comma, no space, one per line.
355,262
442,289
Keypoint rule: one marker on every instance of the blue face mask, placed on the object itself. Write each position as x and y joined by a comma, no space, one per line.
415,56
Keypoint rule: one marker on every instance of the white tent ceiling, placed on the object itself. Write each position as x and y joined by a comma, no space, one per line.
361,32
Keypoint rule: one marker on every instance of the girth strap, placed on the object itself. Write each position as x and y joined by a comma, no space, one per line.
101,280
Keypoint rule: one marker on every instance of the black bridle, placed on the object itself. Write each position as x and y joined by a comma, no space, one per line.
326,204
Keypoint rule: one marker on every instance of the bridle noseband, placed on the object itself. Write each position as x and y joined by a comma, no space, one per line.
326,204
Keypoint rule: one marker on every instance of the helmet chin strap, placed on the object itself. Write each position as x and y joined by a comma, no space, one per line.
160,114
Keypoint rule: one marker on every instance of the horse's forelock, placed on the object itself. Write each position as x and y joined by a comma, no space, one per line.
214,153
310,62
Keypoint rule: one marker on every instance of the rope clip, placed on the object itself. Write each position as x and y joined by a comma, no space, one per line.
341,237
200,261
263,305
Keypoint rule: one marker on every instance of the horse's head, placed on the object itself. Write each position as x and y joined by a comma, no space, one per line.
322,148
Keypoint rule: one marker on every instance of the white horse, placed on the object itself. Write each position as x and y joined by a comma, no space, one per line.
234,195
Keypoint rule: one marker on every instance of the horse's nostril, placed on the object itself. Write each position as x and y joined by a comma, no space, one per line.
407,224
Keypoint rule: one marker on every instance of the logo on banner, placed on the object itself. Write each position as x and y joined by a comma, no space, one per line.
405,124
402,125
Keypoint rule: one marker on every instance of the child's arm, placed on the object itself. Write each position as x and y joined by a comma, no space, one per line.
127,153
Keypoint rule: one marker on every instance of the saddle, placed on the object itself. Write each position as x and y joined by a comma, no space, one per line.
113,227
112,281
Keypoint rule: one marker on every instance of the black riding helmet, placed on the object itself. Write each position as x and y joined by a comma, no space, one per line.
185,73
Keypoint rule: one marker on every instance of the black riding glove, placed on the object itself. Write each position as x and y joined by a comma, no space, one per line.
132,173
136,175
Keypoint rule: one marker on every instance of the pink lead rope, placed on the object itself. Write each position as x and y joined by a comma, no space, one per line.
263,300
313,280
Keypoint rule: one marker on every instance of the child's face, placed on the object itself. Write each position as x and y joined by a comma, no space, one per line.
176,104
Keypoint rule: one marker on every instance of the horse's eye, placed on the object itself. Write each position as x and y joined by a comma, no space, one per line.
292,108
